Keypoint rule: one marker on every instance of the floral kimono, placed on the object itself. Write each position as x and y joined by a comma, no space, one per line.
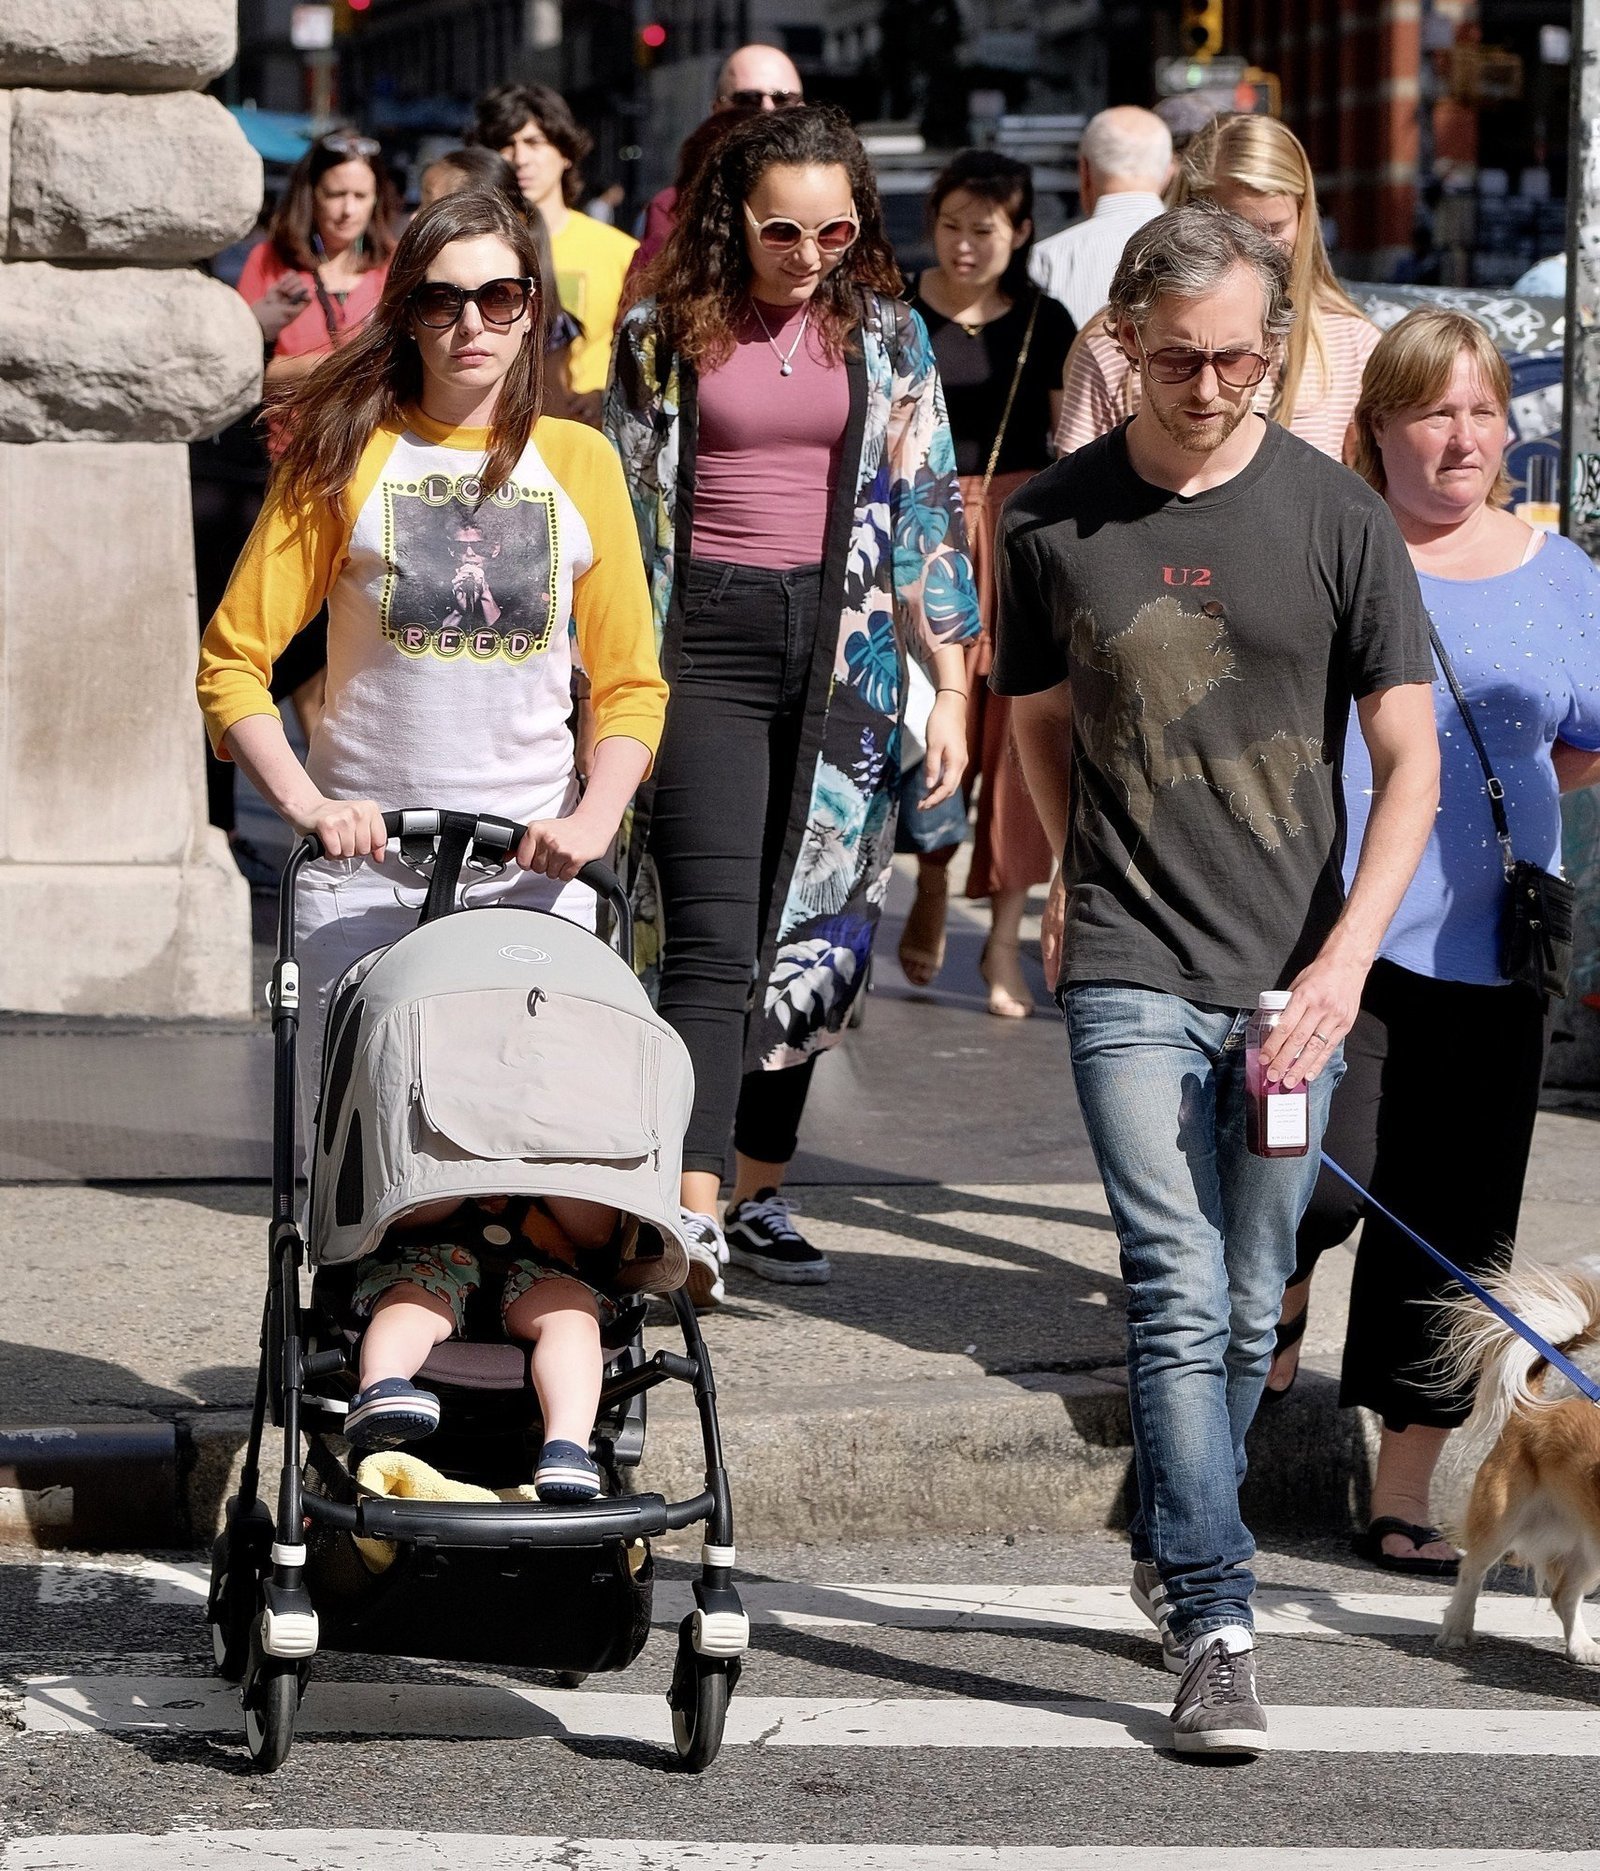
896,579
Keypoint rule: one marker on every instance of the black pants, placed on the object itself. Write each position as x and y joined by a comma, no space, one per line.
1435,1116
724,785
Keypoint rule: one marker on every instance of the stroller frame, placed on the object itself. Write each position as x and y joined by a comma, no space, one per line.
264,1625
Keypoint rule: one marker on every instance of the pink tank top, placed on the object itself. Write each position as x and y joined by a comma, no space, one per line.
768,456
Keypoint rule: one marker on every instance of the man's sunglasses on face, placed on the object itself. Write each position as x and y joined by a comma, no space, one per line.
499,301
755,100
1181,363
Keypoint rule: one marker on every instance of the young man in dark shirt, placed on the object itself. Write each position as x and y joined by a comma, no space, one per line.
1189,607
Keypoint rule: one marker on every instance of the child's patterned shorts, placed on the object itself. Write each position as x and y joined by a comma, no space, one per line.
454,1274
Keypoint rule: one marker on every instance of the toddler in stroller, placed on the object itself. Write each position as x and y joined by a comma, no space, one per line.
413,1295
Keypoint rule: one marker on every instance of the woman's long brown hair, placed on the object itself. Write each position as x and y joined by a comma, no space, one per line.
329,417
292,229
700,280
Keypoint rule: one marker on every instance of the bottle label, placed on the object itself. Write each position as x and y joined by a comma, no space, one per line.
1288,1120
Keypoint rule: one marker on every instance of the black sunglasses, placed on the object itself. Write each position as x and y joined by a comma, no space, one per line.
753,100
499,302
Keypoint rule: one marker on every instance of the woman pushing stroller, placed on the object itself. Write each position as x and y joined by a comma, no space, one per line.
452,532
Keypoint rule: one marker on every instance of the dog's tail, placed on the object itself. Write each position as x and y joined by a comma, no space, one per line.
1563,1308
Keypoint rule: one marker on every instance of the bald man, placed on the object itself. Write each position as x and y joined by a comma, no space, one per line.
756,77
1124,164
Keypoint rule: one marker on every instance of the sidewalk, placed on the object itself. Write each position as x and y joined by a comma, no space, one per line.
961,1373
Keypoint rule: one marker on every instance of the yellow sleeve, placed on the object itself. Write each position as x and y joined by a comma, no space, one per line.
288,567
611,601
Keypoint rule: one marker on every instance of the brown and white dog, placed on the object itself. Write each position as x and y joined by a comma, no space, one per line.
1537,1493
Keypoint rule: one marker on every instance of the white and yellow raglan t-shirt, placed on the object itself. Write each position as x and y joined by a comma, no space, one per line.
449,653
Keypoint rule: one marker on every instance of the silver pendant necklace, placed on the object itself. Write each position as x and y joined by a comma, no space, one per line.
785,359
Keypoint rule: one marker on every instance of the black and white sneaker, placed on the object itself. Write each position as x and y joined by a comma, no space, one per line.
1217,1711
708,1255
391,1412
1150,1595
565,1473
762,1236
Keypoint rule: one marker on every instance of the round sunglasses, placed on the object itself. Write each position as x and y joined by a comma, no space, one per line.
780,233
499,301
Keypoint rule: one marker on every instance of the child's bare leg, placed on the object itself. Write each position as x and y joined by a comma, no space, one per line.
561,1319
585,1224
407,1322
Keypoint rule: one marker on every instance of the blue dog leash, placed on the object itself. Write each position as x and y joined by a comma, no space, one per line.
1478,1291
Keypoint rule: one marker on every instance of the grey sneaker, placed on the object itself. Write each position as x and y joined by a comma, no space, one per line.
1150,1595
1217,1711
708,1255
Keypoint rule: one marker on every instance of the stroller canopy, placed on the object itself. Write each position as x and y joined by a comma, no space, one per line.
499,1052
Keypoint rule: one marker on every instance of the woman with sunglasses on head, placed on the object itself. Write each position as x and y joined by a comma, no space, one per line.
1256,168
452,531
1000,344
784,438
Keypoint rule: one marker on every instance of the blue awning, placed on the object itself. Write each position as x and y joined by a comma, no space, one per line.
275,135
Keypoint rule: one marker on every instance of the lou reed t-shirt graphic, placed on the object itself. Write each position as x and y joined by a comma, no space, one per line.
469,578
1214,644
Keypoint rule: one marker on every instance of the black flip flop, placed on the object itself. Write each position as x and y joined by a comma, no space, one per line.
1369,1546
1287,1332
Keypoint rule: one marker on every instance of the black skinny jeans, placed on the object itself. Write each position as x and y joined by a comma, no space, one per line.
724,782
1435,1116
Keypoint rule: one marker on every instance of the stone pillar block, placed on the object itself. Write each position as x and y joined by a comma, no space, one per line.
115,896
128,45
114,353
182,183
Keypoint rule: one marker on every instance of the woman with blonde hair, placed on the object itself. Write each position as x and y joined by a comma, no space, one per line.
1435,1114
1256,168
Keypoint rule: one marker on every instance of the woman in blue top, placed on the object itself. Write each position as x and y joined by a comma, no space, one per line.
1436,1111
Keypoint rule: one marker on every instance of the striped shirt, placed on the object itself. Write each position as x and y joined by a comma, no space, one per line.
1076,265
1100,388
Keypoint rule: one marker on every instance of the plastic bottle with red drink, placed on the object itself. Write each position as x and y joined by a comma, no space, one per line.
1277,1121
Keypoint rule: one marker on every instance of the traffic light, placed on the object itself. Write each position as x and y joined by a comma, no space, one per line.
1201,31
647,42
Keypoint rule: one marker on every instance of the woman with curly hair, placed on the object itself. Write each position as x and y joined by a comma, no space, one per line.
784,439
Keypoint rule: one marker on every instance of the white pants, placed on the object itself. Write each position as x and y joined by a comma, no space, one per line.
347,907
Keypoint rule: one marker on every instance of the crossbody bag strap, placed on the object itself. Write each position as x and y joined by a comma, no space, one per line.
1492,785
330,314
1011,397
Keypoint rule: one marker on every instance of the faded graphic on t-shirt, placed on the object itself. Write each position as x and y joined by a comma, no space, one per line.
478,580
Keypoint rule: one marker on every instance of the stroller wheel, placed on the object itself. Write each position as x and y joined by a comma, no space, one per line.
272,1687
699,1698
572,1679
236,1557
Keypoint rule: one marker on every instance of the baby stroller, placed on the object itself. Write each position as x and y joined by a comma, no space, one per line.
500,1052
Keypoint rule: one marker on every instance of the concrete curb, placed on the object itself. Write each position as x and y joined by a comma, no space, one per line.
945,1455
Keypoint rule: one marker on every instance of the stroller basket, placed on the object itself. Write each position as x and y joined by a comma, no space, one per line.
277,1577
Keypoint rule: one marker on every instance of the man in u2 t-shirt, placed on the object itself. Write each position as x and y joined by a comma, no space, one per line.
1189,606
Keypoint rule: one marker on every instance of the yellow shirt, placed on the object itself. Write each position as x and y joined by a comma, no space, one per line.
449,653
591,264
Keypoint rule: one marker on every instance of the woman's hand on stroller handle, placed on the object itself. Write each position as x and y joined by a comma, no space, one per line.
561,847
345,828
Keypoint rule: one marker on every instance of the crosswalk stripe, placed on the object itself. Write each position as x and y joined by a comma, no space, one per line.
1279,1612
349,1850
199,1705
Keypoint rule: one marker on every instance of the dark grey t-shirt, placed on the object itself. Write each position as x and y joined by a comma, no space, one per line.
1214,644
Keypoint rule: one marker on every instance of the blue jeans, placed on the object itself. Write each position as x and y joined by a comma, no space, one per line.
1207,1233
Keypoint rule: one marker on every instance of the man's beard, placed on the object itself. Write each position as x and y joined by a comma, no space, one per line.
1201,441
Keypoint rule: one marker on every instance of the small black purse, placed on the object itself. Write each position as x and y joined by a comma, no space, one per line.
1536,921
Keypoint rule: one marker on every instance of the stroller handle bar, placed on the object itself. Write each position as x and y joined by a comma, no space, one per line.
454,839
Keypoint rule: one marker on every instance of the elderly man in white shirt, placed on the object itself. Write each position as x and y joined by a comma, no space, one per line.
1124,164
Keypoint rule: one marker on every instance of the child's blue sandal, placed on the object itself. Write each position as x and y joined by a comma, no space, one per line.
391,1412
565,1473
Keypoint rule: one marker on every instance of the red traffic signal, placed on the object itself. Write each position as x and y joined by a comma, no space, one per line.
654,35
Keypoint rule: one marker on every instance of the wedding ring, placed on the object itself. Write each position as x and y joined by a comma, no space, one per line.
1321,1038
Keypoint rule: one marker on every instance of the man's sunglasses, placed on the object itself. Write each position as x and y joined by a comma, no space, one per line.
780,234
1181,363
347,144
499,302
753,100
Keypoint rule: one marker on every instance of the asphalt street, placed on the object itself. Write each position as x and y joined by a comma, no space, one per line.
946,1703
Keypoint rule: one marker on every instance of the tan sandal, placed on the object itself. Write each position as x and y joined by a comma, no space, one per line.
922,940
1008,999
